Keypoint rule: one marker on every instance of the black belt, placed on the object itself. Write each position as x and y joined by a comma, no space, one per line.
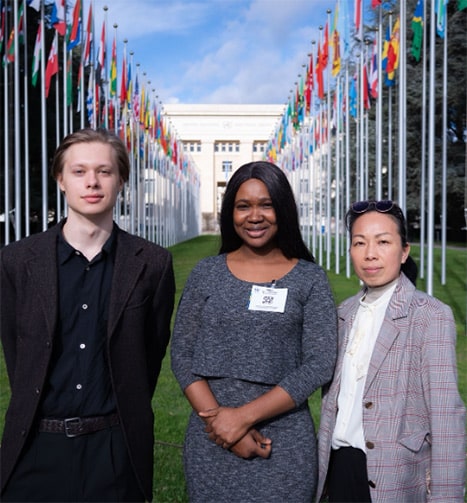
75,426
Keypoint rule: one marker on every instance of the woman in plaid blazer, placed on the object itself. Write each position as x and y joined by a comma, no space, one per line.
392,421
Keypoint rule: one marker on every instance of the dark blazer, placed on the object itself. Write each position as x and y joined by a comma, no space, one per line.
140,309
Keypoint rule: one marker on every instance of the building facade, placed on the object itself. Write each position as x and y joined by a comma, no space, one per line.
220,138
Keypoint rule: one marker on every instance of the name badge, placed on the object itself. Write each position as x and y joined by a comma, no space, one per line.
264,298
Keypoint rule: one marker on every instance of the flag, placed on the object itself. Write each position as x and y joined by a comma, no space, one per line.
358,19
393,51
319,74
325,51
113,69
36,57
309,85
75,29
343,27
52,65
10,49
440,10
35,4
123,84
373,84
88,40
136,99
58,17
336,53
461,4
101,53
417,28
375,3
129,87
366,97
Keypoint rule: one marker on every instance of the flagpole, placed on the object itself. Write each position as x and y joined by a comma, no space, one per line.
444,153
27,192
44,160
431,152
337,219
390,100
64,83
328,157
423,153
58,194
17,126
361,130
106,75
313,142
347,162
379,110
6,134
402,111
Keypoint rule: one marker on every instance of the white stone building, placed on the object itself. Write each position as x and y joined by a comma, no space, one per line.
220,138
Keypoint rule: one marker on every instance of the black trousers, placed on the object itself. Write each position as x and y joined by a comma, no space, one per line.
94,467
347,480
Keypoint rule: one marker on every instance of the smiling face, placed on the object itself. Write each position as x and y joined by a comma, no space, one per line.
254,217
376,249
90,180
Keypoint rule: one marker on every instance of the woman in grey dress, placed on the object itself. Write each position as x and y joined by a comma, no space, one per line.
254,337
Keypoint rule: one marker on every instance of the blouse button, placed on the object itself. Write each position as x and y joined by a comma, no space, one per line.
370,445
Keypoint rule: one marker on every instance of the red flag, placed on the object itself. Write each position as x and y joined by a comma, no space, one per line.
375,3
325,51
52,65
123,86
101,55
319,74
88,40
366,98
309,84
75,35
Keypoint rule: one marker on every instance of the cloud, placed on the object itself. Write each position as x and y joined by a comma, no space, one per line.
219,51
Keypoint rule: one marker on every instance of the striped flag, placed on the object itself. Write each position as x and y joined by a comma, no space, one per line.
89,39
52,65
76,28
36,57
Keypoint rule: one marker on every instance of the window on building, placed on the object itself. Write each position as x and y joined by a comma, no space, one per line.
226,166
192,145
259,146
227,146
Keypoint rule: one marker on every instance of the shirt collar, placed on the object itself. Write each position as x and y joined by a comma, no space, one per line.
65,251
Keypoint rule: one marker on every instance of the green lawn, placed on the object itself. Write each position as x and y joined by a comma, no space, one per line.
172,409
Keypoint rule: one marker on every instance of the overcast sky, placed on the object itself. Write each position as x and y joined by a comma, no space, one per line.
215,51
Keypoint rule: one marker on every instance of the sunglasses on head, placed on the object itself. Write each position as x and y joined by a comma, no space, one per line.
381,206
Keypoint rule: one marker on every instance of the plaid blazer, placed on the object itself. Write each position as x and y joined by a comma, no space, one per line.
413,415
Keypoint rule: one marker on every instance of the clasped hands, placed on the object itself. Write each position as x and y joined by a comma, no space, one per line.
228,428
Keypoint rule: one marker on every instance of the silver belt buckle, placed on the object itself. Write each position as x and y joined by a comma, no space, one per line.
69,422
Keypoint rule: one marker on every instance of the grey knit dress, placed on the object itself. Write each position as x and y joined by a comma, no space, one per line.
243,353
